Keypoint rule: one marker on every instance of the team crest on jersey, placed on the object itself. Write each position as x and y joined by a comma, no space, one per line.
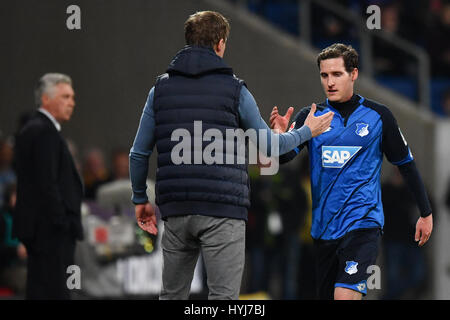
351,267
362,129
337,156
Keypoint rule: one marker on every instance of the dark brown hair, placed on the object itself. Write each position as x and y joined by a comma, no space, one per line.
206,28
337,50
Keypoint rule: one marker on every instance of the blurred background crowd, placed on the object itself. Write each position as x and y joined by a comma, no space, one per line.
118,260
425,24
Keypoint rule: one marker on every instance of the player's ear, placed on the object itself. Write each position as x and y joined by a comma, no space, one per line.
219,48
354,74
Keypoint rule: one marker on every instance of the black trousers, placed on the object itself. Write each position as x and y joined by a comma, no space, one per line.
48,259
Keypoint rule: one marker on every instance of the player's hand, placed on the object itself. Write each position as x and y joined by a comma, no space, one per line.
146,217
319,124
280,123
424,227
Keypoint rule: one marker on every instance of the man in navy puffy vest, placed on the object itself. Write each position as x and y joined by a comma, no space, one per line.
201,190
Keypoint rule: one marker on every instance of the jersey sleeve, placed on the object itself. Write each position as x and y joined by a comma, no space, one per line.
398,153
299,121
394,143
416,186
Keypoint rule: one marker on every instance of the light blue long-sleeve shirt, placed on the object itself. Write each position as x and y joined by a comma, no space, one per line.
249,116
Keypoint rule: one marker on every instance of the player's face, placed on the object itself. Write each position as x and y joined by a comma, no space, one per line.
60,102
336,81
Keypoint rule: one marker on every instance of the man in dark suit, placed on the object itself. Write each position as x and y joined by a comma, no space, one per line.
49,191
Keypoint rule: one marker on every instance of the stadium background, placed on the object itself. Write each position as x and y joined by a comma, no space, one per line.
123,45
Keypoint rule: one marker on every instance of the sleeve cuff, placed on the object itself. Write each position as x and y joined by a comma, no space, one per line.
139,199
407,159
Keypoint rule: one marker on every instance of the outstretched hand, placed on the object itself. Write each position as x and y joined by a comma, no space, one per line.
319,124
279,123
146,218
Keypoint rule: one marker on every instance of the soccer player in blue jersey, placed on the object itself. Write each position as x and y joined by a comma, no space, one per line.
345,177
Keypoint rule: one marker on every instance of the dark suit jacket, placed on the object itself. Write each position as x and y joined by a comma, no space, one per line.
49,188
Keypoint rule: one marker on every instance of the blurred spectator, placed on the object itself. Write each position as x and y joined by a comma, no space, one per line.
115,194
12,253
333,28
95,172
329,28
120,165
7,175
388,59
405,263
438,41
390,17
406,21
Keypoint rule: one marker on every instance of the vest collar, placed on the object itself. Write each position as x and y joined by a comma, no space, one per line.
197,60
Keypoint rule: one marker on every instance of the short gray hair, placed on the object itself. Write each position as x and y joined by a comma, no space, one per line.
47,82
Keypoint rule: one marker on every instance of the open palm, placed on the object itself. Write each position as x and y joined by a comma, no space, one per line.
280,123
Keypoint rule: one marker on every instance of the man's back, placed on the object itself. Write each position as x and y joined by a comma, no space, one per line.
199,92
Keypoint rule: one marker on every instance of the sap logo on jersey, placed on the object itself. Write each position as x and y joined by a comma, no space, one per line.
337,156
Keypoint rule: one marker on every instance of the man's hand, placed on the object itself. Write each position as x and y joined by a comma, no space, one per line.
319,124
424,227
278,123
146,217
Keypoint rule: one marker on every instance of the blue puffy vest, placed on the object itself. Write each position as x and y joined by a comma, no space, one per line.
198,86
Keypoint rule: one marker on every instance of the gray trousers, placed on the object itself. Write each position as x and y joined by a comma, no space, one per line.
222,244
